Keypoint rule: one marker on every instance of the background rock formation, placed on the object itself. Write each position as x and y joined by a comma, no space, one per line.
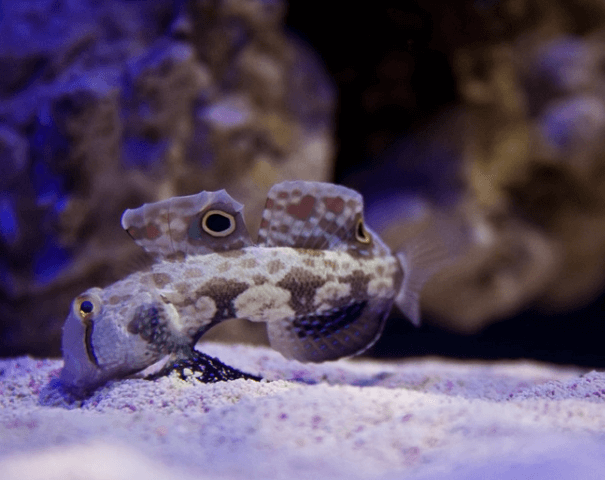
106,105
490,114
486,117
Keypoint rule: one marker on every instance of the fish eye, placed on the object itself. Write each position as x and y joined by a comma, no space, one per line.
218,223
361,234
87,306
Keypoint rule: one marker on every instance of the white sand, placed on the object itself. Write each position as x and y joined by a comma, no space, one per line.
425,419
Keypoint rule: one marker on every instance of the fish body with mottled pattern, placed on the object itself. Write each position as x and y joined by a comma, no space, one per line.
321,281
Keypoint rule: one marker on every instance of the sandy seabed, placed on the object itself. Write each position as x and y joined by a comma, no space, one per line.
351,419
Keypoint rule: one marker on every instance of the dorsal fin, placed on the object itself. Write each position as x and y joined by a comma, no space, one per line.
314,215
195,224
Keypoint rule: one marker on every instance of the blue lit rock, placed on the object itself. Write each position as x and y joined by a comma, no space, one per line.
9,225
14,156
106,105
571,128
568,64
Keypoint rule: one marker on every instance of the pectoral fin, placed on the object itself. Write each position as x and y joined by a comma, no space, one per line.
203,368
329,335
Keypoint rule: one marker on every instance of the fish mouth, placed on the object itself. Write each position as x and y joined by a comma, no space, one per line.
80,376
113,346
90,351
81,371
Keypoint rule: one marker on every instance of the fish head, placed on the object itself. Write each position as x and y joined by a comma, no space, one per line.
103,340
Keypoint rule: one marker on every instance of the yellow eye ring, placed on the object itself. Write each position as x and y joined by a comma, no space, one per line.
87,306
218,223
361,234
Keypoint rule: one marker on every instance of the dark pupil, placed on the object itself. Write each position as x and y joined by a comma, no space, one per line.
217,222
360,231
86,306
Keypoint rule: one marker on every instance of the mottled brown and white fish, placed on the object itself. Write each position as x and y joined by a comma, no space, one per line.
321,280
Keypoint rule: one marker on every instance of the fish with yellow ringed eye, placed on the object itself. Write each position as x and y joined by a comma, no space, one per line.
321,280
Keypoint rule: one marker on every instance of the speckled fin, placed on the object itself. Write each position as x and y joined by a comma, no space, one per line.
436,247
196,224
312,215
330,335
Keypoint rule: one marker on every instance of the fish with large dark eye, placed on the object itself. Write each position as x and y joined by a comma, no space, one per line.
321,280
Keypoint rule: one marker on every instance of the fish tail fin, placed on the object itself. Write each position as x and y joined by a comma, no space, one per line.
436,247
415,275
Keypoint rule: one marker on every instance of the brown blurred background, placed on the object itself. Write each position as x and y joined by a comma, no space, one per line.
484,117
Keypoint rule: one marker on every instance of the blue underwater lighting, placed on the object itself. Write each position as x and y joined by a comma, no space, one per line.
9,227
48,186
47,144
47,141
200,149
431,174
49,260
556,130
140,153
226,115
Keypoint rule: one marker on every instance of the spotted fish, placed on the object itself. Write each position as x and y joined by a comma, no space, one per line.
320,279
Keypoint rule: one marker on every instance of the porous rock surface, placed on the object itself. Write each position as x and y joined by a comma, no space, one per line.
107,105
